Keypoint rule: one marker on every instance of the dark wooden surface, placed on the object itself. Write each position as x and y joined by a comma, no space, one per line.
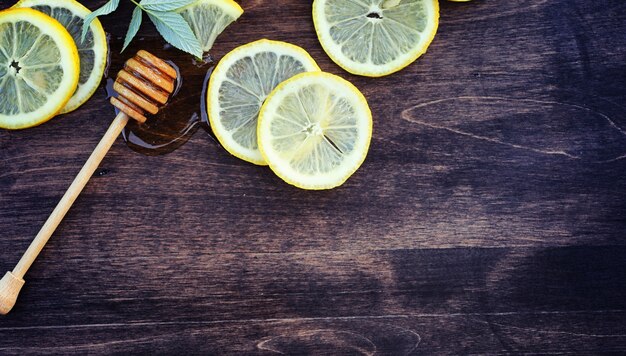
488,218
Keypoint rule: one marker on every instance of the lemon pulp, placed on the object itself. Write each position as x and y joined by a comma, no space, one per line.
314,130
375,37
38,68
92,52
209,18
239,85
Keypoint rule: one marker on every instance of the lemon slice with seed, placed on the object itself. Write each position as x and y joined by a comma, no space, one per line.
375,37
38,68
239,85
315,130
92,52
209,18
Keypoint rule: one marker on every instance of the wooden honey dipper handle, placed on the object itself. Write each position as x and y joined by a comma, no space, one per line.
131,102
12,282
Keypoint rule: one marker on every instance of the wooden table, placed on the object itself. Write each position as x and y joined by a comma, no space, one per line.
488,218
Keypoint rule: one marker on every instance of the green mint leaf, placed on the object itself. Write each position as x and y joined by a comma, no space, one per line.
106,9
176,31
135,23
165,5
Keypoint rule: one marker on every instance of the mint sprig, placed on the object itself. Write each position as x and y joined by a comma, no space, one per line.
167,5
106,9
176,31
133,28
170,24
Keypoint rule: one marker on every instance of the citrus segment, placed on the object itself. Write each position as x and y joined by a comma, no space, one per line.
92,52
314,130
239,85
39,66
209,18
375,37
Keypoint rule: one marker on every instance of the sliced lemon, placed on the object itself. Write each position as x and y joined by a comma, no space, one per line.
315,130
92,52
239,85
209,18
375,37
39,68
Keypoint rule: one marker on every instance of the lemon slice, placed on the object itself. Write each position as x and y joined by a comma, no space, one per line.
375,37
38,68
315,130
208,18
239,85
92,52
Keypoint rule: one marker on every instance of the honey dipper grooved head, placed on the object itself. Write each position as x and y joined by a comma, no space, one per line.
144,85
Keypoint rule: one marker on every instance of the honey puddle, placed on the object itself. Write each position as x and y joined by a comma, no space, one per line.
178,120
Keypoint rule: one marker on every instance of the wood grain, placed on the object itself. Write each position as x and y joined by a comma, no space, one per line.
488,218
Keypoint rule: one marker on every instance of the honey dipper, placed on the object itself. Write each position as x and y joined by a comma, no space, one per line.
144,85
